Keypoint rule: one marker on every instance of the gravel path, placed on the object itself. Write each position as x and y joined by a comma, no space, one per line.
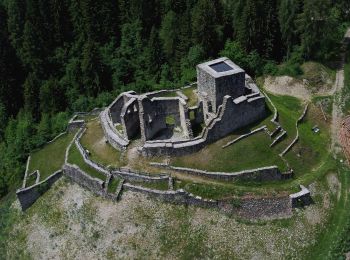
337,114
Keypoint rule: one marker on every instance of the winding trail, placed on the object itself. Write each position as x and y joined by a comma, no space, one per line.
337,114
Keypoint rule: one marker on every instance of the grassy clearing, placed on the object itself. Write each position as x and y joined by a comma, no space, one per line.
192,97
312,149
113,184
289,110
51,157
101,152
153,185
249,153
76,158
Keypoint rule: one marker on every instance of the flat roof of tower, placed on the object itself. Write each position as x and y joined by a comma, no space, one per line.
220,67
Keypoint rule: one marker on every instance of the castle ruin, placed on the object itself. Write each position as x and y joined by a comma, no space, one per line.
226,99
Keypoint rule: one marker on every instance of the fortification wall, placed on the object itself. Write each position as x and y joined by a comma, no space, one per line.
83,179
236,114
232,115
27,196
116,107
154,113
130,118
176,197
113,138
271,173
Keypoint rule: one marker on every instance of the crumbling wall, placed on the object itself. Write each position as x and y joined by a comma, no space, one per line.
232,115
130,118
27,196
153,114
271,173
83,179
236,114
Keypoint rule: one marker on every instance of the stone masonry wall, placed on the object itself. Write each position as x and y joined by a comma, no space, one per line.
271,173
83,179
232,115
27,196
130,118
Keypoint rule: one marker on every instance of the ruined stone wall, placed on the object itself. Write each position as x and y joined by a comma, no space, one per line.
130,118
83,179
27,196
154,112
233,85
176,197
271,173
111,134
206,84
232,115
116,108
236,114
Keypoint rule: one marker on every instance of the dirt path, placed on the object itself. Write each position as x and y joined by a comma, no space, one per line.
337,114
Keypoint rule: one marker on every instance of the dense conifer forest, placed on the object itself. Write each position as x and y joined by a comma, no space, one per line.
61,56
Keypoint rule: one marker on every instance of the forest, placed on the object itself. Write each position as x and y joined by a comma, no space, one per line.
62,56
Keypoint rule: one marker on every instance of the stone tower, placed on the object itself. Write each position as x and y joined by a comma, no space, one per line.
217,79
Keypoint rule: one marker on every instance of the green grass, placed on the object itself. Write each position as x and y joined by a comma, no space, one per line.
101,152
312,149
51,157
170,94
289,110
333,240
153,185
113,184
248,153
76,158
192,97
31,180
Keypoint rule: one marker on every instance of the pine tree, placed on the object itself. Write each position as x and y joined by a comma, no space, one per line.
287,16
11,72
205,26
16,21
31,96
316,27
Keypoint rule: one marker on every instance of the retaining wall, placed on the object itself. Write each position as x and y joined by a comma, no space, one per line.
27,196
176,197
296,139
271,173
301,198
83,179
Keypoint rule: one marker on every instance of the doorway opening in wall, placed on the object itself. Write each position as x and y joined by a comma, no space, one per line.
210,107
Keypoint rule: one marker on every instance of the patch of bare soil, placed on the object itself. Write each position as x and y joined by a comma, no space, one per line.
289,86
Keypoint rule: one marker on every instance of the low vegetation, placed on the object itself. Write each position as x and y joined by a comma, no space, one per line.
51,157
113,184
100,151
76,158
192,97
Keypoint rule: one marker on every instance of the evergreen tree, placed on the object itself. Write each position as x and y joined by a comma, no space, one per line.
205,30
316,26
16,21
31,95
287,16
